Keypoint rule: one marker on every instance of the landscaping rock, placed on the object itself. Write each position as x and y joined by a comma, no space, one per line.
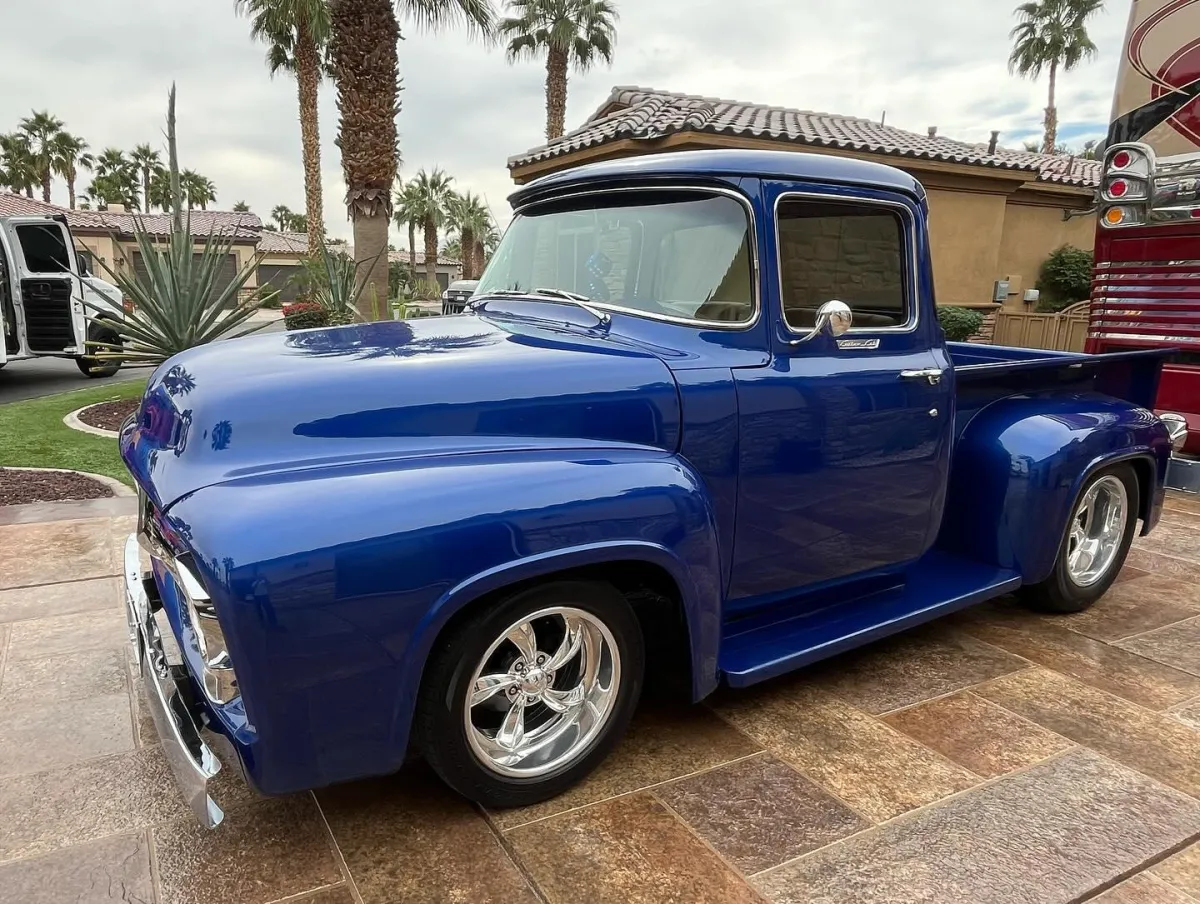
108,415
18,487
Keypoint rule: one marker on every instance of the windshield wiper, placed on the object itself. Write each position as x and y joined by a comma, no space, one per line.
550,294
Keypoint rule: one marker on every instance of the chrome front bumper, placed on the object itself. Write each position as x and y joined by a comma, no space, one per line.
192,761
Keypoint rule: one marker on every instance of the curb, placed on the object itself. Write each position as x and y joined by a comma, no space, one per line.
118,488
71,419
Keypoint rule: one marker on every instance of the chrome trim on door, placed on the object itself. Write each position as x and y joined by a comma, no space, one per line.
910,281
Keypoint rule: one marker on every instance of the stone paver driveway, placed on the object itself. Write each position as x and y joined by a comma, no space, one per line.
997,756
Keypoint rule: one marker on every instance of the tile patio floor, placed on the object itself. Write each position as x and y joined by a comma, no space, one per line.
996,756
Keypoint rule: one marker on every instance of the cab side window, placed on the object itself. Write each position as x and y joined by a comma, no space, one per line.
850,252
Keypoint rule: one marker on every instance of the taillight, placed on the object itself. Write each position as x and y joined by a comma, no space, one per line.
1121,159
1122,215
1118,187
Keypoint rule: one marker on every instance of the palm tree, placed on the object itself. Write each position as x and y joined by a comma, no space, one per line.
406,206
116,187
282,215
571,33
160,190
111,160
1050,34
432,195
146,160
70,153
198,191
241,207
17,168
42,128
363,41
297,33
468,216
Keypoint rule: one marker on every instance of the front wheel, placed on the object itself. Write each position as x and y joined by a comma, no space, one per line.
97,367
1096,542
525,698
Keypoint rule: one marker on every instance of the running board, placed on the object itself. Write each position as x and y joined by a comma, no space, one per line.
937,585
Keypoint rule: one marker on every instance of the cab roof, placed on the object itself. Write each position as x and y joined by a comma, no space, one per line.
801,167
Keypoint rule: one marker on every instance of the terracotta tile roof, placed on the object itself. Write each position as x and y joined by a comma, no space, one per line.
401,257
283,242
203,222
647,113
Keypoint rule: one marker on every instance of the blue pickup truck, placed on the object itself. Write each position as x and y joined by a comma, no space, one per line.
699,421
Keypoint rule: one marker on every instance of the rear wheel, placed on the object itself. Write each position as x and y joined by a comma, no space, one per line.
1096,542
525,698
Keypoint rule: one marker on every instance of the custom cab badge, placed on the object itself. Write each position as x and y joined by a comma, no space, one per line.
858,343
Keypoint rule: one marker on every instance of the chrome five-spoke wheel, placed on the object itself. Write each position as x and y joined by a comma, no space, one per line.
526,694
1094,543
542,692
1096,531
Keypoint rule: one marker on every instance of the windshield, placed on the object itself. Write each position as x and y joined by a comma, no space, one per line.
680,254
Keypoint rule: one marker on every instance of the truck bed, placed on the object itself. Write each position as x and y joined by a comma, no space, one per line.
986,373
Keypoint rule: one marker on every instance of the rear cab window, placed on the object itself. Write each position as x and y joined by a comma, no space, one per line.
845,251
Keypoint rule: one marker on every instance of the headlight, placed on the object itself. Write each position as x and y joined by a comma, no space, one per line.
220,682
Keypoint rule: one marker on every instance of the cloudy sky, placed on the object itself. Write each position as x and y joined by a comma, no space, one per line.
104,66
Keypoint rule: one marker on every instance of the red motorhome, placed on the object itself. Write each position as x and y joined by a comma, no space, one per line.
1146,289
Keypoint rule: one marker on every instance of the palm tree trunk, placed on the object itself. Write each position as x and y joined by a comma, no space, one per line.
467,241
1051,138
308,76
46,185
71,188
370,248
29,191
480,254
146,189
556,93
363,40
412,252
431,250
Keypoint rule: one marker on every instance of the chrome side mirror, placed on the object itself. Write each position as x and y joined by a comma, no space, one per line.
833,319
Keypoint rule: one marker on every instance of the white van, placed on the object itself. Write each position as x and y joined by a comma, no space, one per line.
42,293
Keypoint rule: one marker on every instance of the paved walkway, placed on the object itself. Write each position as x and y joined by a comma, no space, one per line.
996,756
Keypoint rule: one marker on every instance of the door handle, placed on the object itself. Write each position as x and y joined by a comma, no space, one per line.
932,374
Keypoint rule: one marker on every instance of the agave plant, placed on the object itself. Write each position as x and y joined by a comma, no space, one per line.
180,302
335,286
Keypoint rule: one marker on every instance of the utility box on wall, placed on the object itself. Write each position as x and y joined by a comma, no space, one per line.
1000,291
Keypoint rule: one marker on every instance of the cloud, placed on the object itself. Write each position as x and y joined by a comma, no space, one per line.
110,63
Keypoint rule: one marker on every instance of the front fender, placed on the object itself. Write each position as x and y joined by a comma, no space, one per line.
333,584
1021,463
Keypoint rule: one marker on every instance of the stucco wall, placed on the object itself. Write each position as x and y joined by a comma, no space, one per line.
965,229
1031,232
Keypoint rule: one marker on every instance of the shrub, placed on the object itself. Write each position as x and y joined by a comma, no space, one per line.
959,324
1065,278
303,315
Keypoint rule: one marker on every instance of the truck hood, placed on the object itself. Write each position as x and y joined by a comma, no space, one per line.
384,391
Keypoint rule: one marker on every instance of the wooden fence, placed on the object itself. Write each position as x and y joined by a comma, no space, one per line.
1065,331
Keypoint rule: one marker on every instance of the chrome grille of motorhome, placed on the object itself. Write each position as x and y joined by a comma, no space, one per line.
47,304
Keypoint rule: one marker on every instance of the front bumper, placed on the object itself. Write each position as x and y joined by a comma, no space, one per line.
169,694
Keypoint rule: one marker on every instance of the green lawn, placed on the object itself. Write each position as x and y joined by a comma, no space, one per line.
33,435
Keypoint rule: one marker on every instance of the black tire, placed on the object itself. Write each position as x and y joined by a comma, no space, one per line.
1059,593
440,730
94,367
